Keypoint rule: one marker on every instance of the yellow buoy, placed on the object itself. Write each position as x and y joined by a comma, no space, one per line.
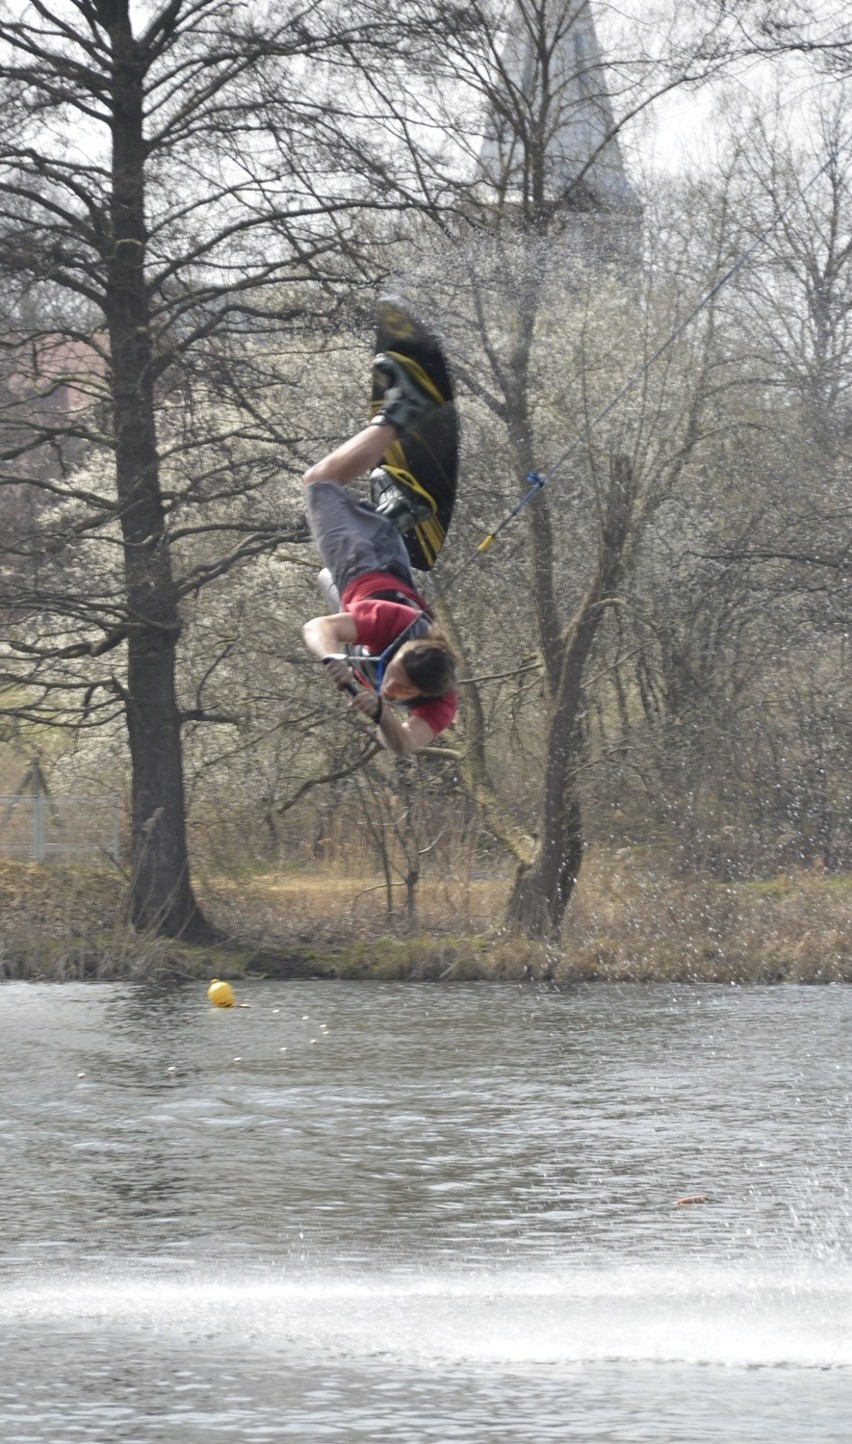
221,995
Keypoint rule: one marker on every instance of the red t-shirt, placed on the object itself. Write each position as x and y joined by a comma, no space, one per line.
367,585
379,623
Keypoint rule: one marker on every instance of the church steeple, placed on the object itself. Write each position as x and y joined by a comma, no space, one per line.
550,141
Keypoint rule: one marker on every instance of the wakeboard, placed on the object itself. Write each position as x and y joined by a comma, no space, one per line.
425,461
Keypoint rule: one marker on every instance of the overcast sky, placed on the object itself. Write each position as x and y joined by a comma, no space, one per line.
682,130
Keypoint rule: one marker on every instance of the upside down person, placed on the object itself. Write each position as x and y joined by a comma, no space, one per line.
406,661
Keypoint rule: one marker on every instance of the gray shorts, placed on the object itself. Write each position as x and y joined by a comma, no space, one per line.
351,537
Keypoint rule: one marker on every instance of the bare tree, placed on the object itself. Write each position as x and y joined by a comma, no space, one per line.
170,181
727,728
545,264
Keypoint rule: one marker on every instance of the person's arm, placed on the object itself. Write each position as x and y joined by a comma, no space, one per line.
323,635
326,635
401,738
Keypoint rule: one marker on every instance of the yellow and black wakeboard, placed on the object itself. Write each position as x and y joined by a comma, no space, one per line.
426,461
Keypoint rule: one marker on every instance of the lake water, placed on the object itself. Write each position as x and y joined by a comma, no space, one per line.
364,1212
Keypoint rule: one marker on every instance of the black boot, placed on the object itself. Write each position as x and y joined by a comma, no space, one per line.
398,503
410,397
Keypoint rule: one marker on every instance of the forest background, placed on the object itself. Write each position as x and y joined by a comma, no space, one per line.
199,205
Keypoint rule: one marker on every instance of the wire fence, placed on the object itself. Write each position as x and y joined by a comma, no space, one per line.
42,828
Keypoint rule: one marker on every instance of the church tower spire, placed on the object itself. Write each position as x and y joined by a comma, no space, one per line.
550,142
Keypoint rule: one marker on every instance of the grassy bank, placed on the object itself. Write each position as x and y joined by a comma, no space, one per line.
630,921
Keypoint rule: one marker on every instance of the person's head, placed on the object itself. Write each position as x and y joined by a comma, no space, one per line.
422,668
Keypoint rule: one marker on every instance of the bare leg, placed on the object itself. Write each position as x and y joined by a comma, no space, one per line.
349,461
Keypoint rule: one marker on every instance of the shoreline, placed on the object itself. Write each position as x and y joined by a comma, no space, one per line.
630,923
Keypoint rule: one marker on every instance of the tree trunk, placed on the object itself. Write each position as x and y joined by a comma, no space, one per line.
543,888
161,895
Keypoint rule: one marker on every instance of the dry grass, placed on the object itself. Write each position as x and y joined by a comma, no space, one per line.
65,923
629,921
632,920
330,904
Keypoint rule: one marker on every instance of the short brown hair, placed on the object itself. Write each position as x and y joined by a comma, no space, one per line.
430,663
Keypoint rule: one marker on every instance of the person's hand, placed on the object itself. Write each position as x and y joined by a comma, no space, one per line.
338,671
369,703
